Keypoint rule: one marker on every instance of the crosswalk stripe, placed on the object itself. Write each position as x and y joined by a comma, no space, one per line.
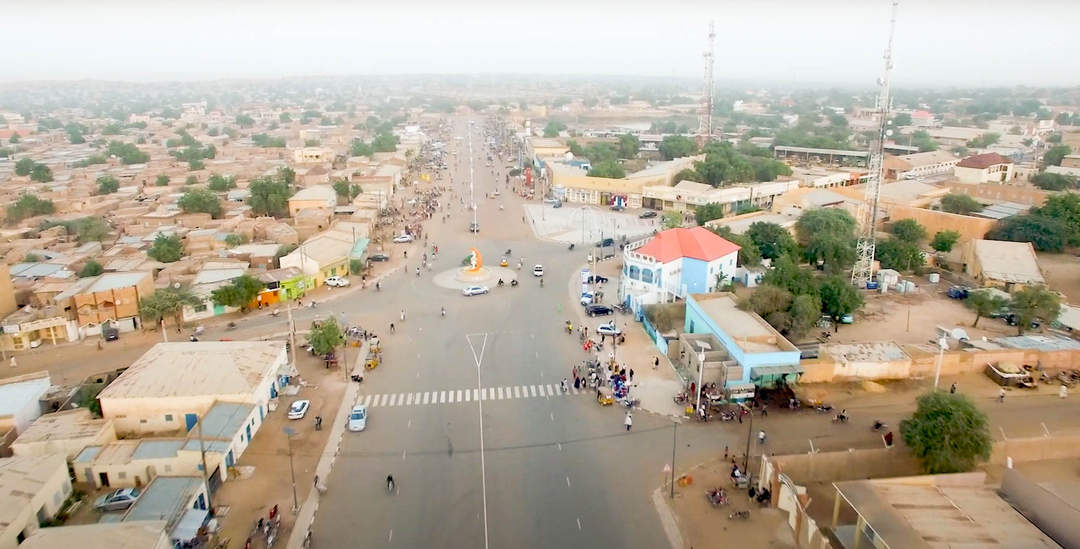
524,391
532,390
367,399
408,400
400,399
426,396
442,397
516,393
392,401
468,395
453,396
459,396
500,393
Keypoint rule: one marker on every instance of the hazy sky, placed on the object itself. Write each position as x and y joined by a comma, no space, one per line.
939,42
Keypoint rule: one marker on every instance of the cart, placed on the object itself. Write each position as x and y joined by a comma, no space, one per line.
604,397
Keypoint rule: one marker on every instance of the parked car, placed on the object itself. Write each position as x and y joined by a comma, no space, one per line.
474,228
117,500
606,242
587,298
299,409
598,279
110,333
379,257
608,329
358,418
475,290
617,207
648,214
538,270
403,238
598,310
1012,320
337,282
958,292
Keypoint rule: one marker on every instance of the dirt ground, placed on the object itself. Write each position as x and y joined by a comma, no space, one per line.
704,526
1062,272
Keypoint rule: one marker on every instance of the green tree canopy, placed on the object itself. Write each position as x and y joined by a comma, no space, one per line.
166,249
1053,181
628,146
269,196
834,253
839,298
127,153
166,302
1046,234
771,239
899,255
107,184
984,303
92,268
908,230
264,140
960,204
41,173
947,433
984,140
672,220
200,201
24,166
385,142
677,146
1034,303
358,148
923,141
902,119
28,206
1054,155
86,229
162,180
708,212
221,183
325,336
688,174
575,148
829,221
607,168
245,121
786,274
553,128
1064,207
944,241
749,255
240,292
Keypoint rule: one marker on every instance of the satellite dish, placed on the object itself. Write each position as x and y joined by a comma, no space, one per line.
888,132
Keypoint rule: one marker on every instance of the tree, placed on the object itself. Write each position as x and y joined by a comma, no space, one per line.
1053,181
749,256
825,221
245,121
240,292
772,239
269,196
196,165
553,128
24,166
628,146
944,241
902,119
41,173
92,268
834,253
677,146
191,180
899,255
166,249
984,140
325,336
923,141
385,142
1065,208
1034,303
960,204
708,212
786,274
947,433
162,181
984,303
233,240
200,201
1046,234
607,168
107,184
688,174
166,302
804,313
908,230
221,183
27,206
768,299
1054,155
672,220
839,299
358,148
127,153
575,148
285,118
263,140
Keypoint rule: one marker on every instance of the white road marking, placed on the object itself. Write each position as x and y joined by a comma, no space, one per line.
532,390
500,393
579,523
560,445
410,424
552,414
408,401
426,397
517,393
459,395
403,454
442,397
568,481
390,537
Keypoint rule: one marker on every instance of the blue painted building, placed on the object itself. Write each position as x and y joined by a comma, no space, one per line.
757,355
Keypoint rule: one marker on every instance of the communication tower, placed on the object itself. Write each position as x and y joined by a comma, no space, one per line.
705,122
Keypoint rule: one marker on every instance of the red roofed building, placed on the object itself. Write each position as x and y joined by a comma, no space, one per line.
985,168
674,263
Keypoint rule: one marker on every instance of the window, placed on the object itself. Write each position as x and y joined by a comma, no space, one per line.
142,421
635,272
168,468
200,308
647,276
168,417
121,475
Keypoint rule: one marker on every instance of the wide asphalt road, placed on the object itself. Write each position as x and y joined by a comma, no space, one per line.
527,465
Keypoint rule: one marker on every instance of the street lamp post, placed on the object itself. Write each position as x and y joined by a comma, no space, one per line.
701,370
943,344
289,432
746,458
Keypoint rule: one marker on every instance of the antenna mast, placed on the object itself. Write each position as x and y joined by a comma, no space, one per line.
863,271
705,126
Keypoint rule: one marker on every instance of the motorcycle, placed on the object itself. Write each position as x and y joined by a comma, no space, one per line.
571,247
513,283
840,418
742,514
879,426
717,497
727,415
501,283
680,398
569,328
823,408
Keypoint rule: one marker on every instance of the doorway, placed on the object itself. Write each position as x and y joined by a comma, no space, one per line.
103,479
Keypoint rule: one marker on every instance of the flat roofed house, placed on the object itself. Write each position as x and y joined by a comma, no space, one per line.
32,491
65,432
1008,265
173,384
149,534
315,196
107,297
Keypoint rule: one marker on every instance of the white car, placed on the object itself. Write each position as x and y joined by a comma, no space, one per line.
587,298
608,329
358,418
538,270
337,282
299,409
403,238
474,290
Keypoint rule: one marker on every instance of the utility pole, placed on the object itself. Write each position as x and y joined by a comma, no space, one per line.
705,123
746,458
202,453
674,437
289,432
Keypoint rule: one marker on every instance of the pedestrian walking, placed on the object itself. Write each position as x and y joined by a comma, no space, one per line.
391,327
403,315
631,374
952,389
1001,395
1063,391
761,437
656,362
13,363
764,410
629,421
725,452
316,482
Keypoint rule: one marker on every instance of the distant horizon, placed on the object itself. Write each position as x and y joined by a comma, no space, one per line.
826,43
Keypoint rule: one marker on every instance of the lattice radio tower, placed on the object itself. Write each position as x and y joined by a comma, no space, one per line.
863,271
705,122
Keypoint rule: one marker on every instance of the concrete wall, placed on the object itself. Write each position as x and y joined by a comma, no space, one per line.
968,226
44,504
139,472
1043,508
1021,194
699,322
69,447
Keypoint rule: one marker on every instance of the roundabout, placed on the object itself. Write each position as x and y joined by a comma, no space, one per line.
474,273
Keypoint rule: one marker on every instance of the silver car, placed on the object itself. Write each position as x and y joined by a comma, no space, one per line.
117,500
